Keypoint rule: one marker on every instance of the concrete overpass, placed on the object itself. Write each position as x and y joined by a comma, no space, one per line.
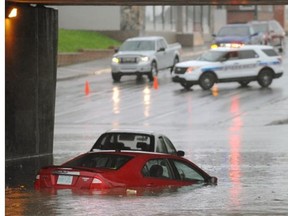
150,2
30,73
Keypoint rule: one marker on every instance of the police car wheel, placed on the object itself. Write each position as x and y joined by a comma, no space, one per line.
185,85
206,81
265,78
244,83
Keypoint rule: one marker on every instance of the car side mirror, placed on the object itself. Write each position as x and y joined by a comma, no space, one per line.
180,153
116,50
162,49
213,35
213,180
255,34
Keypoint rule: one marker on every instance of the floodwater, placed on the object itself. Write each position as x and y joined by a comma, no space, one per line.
238,135
251,181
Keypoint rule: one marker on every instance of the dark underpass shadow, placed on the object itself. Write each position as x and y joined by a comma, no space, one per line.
21,173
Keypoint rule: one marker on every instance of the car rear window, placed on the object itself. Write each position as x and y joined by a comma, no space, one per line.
97,160
125,141
270,52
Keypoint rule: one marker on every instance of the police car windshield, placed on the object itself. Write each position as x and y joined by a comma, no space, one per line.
212,56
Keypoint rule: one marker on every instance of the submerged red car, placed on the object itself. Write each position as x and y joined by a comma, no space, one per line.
122,169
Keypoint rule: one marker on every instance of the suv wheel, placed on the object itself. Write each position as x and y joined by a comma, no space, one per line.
207,80
265,78
153,71
116,77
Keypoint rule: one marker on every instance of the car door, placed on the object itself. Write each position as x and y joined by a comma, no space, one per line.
158,173
249,63
160,54
230,66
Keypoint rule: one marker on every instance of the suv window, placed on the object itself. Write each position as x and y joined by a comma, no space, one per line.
170,147
247,54
270,52
161,146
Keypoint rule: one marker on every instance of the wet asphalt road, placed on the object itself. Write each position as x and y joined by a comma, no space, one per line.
236,134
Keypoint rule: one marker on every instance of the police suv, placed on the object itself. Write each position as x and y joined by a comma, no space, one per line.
230,64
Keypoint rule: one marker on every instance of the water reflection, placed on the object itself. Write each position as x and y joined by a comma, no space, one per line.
146,101
116,100
235,157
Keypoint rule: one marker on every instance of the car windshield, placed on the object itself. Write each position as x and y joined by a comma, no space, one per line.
125,141
141,45
261,27
98,160
234,31
212,56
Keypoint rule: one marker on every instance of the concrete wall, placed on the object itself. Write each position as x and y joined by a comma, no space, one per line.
89,17
30,81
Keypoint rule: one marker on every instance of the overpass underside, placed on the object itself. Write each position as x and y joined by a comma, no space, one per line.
151,2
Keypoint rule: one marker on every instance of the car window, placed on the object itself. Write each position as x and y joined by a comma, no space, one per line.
276,27
93,160
186,172
163,44
137,46
270,52
233,55
161,146
261,27
212,56
157,168
234,31
125,141
160,44
247,54
170,147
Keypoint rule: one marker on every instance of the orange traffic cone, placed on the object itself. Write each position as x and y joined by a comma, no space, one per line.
87,88
155,82
215,90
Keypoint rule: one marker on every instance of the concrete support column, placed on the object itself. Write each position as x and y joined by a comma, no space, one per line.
179,19
30,81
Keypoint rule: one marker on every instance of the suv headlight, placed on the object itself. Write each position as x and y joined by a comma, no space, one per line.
143,59
116,60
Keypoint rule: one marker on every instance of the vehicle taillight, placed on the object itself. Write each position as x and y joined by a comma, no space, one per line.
96,184
37,182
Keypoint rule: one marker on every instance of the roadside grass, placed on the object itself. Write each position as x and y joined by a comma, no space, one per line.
75,40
